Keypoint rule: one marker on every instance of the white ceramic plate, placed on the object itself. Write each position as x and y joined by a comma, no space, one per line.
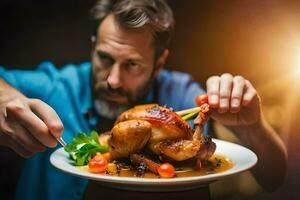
242,158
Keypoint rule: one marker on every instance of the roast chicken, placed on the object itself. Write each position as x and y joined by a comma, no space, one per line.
160,131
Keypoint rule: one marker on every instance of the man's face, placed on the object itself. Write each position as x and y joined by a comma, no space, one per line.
123,64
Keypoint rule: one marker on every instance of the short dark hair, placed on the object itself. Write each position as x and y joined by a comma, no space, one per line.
155,14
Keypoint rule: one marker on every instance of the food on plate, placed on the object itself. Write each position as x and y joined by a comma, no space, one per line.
98,163
161,131
152,141
166,170
201,99
84,147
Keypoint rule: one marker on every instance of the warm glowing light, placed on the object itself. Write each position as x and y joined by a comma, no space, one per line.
297,71
296,62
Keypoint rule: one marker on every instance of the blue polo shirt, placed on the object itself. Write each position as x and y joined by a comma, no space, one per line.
67,90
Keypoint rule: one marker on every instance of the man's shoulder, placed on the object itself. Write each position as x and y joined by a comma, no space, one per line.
71,95
71,81
168,76
68,71
176,89
46,78
176,81
73,76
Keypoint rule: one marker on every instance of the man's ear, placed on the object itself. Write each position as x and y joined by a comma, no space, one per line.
161,61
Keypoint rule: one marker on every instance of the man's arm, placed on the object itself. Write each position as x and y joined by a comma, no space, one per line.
27,125
270,170
236,104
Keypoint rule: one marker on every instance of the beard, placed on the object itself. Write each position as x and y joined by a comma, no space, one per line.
106,107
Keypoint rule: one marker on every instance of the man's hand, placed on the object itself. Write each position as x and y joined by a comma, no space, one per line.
234,99
27,125
237,105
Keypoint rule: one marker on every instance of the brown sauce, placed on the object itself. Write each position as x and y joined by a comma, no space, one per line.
215,164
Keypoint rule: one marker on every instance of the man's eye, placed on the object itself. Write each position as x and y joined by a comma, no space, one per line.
105,59
132,65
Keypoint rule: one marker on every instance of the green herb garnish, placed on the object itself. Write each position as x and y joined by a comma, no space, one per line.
84,147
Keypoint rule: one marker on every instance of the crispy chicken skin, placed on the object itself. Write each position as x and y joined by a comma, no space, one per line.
162,131
182,149
166,124
129,137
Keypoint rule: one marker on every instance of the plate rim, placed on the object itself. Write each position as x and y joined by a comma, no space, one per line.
155,181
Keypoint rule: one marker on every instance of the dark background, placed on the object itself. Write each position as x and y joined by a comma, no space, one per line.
257,39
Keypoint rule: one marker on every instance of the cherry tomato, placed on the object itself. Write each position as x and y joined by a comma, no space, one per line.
98,164
166,170
201,99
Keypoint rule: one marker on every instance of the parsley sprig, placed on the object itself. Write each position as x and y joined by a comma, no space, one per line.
84,147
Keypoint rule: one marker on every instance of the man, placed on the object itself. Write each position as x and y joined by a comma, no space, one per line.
129,51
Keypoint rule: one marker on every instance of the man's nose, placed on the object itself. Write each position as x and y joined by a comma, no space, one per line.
114,77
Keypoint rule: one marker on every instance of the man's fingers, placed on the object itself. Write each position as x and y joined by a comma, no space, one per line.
48,115
225,92
24,138
212,86
15,146
32,123
249,94
237,93
19,149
